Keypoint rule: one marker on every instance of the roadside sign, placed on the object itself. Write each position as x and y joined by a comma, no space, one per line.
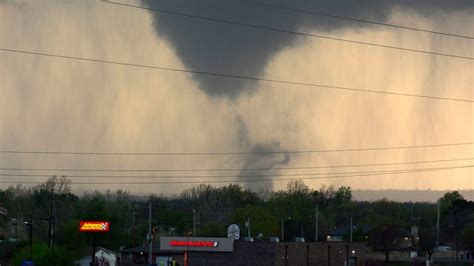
94,226
233,231
211,244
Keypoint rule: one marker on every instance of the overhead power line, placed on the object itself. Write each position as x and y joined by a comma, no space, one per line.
287,31
246,175
317,13
215,74
231,152
215,181
228,169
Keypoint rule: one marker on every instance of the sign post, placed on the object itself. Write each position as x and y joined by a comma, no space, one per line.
94,227
93,249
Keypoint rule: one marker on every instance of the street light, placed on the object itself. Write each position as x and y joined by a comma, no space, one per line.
194,222
283,227
189,234
15,223
29,224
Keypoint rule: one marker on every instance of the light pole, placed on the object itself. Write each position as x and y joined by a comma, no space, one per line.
248,227
15,223
187,251
29,224
194,222
150,247
283,227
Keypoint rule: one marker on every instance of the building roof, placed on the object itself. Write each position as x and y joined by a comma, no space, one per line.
145,248
345,230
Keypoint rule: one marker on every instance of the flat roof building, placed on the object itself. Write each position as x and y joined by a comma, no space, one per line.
225,251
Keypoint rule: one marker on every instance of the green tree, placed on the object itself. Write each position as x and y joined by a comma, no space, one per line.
447,199
261,221
42,255
213,230
466,238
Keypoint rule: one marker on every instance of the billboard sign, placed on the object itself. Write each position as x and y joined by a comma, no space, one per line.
94,226
216,244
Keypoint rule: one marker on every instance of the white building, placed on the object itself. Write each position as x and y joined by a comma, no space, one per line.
103,257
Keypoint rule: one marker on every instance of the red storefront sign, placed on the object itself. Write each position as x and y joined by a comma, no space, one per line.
94,226
180,243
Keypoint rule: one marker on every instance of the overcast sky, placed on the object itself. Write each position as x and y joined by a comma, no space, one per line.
56,104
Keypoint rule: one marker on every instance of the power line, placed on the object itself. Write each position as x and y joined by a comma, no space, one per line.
321,175
228,169
208,182
231,153
357,20
287,31
215,74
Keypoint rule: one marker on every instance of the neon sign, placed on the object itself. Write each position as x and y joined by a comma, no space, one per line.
178,243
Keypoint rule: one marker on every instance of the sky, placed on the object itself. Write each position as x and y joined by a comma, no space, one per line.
58,104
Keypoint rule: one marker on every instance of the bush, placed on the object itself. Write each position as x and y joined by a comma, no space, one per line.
42,255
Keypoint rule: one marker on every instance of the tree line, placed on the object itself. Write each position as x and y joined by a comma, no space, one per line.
211,209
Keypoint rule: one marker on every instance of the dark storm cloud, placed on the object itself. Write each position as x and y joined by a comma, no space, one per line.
223,48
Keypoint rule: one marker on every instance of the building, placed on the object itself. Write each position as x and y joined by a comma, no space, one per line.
103,257
226,251
343,233
139,256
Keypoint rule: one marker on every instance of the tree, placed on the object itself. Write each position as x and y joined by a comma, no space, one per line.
217,204
447,199
42,255
466,238
261,220
213,230
458,214
343,195
297,186
385,237
427,242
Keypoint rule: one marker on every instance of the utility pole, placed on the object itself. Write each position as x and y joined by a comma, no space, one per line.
347,255
150,247
50,228
282,229
329,255
194,222
351,231
29,225
248,227
437,227
133,228
51,224
94,243
316,237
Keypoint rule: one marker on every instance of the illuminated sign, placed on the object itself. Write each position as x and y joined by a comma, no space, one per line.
94,226
206,244
177,243
233,231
